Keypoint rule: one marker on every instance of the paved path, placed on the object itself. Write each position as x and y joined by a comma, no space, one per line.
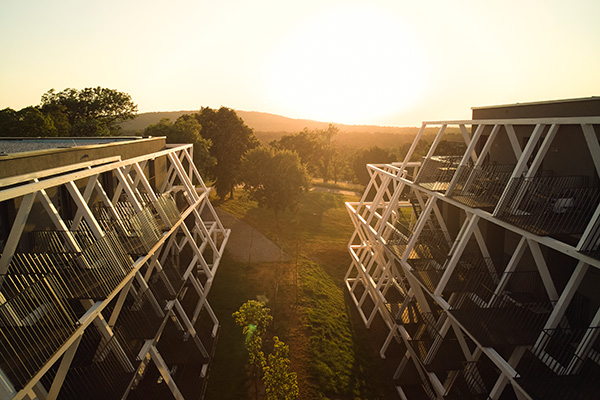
246,244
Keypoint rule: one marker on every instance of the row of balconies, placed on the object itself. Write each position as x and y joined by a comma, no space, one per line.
46,292
557,206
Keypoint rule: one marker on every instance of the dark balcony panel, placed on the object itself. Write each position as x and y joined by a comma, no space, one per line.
473,382
506,323
550,206
100,370
437,172
140,317
481,186
553,370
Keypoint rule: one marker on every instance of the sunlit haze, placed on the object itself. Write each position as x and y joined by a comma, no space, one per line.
384,62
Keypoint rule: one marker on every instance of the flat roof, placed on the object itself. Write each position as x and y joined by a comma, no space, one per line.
533,103
24,144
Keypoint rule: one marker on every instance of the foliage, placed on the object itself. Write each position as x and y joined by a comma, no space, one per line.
274,178
27,122
186,129
280,384
305,144
316,149
255,313
373,155
90,111
230,138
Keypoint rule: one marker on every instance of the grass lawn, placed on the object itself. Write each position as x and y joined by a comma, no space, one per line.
328,348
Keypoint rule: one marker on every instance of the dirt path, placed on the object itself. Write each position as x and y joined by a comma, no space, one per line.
248,245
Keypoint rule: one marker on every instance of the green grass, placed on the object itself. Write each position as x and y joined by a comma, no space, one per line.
340,363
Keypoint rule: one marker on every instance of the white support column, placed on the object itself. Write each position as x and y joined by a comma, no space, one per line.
514,141
469,154
15,232
87,193
162,367
521,167
108,336
412,148
85,210
542,267
565,297
471,224
189,326
61,374
539,157
593,145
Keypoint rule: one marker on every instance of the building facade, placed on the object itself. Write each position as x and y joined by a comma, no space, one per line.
109,250
478,265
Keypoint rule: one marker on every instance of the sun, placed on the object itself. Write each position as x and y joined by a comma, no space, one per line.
355,65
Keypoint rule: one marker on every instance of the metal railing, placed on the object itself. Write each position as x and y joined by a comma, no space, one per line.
549,205
555,368
481,186
510,312
35,320
437,172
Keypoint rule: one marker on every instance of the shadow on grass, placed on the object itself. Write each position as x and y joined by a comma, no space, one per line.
227,378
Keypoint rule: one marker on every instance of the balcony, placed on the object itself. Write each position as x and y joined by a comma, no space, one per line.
481,186
505,312
550,206
437,172
556,368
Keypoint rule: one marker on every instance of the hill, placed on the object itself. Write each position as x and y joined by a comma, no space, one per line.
269,127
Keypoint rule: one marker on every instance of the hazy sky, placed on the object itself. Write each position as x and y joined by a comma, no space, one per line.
386,62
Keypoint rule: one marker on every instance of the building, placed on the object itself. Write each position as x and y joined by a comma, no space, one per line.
109,249
480,269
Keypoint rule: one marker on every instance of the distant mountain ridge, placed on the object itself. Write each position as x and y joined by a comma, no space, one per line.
262,122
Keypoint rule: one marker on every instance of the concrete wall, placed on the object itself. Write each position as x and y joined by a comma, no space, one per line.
25,163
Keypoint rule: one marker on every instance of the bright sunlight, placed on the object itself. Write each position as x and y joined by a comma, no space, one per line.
350,65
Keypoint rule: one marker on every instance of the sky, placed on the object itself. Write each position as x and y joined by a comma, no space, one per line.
382,62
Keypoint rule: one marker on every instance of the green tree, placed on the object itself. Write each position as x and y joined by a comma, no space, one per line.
274,178
280,383
27,122
327,150
186,129
231,139
306,144
373,155
254,317
90,111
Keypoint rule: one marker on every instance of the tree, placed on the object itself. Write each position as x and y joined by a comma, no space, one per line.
274,178
280,384
254,317
91,111
373,155
306,144
327,150
186,129
27,122
231,139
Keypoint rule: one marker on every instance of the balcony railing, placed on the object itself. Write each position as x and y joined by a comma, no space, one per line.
36,312
481,186
554,369
511,312
549,206
437,172
35,320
